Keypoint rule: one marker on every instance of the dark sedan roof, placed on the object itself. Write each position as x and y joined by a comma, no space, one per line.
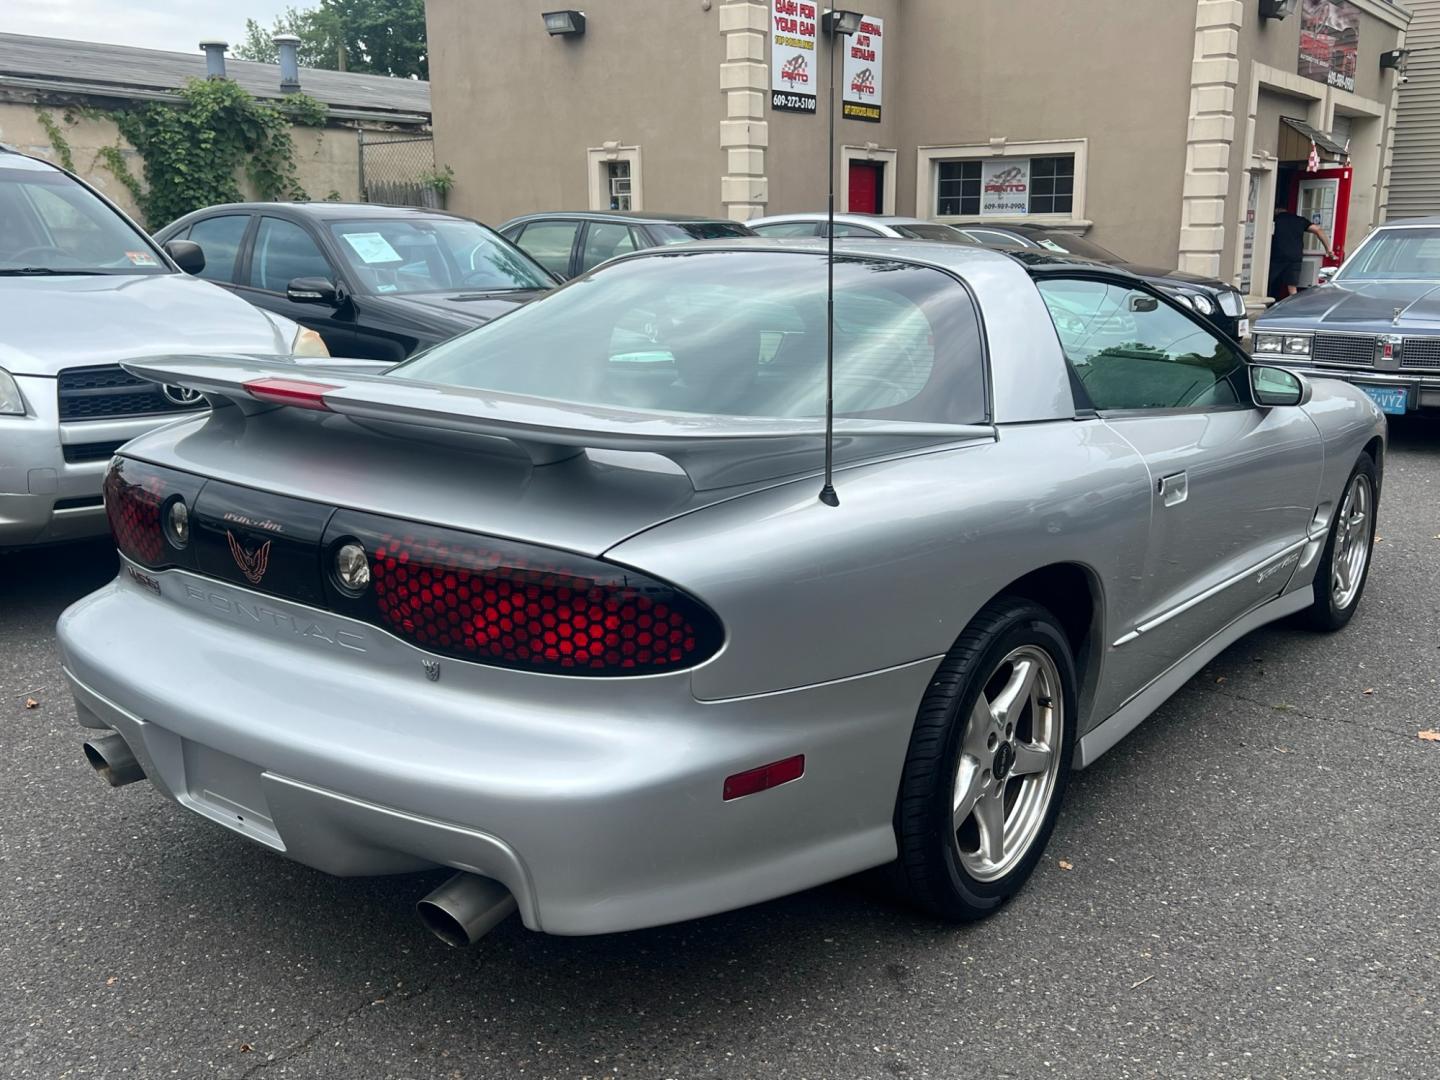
333,210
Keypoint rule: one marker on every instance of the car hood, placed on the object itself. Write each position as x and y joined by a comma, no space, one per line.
1372,305
52,323
460,310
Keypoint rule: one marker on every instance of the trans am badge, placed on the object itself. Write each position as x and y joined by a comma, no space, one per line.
253,564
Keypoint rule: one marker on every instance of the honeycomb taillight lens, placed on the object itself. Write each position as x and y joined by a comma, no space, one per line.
518,605
141,503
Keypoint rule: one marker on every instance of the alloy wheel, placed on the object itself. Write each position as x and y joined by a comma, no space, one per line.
1009,761
1354,532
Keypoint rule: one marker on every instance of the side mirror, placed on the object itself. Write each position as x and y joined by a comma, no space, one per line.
312,290
1325,273
1272,386
187,255
1143,303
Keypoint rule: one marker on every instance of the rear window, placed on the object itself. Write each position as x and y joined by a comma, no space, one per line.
680,232
735,333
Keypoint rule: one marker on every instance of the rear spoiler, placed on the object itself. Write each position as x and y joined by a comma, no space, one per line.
714,451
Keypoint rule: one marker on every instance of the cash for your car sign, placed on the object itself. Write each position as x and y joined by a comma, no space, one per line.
863,71
1005,186
793,70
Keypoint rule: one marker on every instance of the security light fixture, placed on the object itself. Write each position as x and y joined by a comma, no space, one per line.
1394,58
842,22
1277,9
567,23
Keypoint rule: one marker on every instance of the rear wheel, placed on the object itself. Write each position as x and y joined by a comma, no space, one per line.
1345,563
988,763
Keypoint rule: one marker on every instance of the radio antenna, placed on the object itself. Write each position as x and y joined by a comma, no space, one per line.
837,24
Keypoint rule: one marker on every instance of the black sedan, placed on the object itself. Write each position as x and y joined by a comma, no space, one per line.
1219,302
1376,324
569,244
376,282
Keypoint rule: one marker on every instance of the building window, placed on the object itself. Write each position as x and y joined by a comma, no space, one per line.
1003,178
1052,184
958,189
617,178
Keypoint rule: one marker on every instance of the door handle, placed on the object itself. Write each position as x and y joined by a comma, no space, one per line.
1174,489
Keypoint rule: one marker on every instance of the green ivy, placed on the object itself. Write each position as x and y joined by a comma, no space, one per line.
57,139
113,158
195,150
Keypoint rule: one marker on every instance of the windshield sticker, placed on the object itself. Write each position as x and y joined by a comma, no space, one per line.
386,288
1053,246
372,247
141,258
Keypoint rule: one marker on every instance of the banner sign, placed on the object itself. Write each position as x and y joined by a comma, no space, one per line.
794,71
863,71
1329,42
1005,186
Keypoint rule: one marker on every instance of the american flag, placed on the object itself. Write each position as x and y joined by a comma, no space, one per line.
1313,165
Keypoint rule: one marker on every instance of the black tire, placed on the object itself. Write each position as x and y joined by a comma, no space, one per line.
1325,614
930,870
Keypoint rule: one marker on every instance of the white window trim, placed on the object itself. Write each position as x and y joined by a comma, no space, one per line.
927,178
596,158
869,152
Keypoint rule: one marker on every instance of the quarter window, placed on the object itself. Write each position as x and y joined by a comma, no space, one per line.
283,252
604,239
219,238
1132,350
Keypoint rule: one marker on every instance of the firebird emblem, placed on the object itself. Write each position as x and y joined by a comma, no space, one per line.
252,564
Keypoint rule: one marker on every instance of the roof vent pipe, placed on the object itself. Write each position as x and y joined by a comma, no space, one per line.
289,62
214,58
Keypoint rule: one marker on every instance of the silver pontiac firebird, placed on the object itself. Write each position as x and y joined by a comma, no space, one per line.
557,603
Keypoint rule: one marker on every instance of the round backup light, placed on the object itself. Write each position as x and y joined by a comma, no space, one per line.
177,523
352,566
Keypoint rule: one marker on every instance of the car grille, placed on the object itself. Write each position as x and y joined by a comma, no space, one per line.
76,453
1420,352
111,392
1343,349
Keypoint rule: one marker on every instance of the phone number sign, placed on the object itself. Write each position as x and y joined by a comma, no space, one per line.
794,71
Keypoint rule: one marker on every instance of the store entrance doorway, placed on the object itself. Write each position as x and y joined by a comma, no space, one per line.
867,185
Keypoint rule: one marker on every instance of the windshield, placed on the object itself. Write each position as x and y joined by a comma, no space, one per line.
439,254
734,333
931,231
51,224
1396,255
680,231
1069,244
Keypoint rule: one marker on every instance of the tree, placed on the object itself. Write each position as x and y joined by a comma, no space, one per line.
378,37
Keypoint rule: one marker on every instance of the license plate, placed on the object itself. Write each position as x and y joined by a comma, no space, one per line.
1244,330
1391,399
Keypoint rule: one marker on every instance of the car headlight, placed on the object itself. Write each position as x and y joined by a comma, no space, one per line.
1183,299
1268,343
1297,344
1203,304
1281,344
308,343
11,403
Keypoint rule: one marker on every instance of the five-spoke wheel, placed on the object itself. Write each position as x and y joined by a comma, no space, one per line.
1345,563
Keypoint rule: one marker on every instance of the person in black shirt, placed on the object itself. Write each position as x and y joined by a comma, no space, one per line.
1287,246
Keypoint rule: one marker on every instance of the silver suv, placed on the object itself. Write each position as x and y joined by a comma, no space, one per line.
82,288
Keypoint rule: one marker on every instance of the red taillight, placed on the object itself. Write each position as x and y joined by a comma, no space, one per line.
133,498
764,778
300,394
517,605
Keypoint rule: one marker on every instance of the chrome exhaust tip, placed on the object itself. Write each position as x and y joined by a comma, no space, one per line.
110,756
465,909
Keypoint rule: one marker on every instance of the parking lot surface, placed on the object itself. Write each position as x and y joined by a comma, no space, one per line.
1249,886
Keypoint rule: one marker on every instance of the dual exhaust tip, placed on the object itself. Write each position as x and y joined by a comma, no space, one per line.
460,912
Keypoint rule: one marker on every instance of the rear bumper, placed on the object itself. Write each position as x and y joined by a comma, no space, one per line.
51,473
597,802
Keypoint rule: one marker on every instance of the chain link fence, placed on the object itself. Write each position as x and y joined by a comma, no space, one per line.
399,170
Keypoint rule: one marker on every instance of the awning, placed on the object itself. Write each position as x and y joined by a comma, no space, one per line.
1325,142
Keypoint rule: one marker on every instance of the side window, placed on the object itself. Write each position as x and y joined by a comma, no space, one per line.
788,228
283,252
219,238
1131,350
842,229
549,243
602,240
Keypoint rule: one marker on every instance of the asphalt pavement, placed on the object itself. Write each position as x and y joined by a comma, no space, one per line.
1247,887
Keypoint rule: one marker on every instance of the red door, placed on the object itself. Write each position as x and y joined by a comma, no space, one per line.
1324,198
865,186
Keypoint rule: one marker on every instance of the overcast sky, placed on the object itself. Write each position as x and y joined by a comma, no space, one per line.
178,25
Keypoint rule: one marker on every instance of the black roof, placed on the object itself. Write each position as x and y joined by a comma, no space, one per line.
331,211
627,215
